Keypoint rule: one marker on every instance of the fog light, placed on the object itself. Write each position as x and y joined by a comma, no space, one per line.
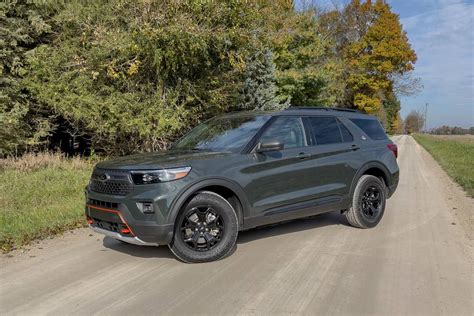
146,207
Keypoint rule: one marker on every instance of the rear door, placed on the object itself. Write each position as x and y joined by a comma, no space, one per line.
333,150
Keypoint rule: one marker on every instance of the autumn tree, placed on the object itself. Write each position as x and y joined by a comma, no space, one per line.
376,52
382,51
126,76
414,122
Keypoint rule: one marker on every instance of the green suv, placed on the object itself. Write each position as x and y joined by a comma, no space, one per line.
244,170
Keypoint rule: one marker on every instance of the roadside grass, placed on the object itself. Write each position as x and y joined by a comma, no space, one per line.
40,195
456,157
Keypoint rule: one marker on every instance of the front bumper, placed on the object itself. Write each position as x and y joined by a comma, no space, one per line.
119,223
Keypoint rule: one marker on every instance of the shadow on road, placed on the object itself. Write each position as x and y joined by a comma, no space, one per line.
137,251
314,222
297,225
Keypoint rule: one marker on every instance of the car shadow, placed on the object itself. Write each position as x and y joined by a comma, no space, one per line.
137,251
297,225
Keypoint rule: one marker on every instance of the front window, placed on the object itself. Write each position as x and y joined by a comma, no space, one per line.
225,133
287,130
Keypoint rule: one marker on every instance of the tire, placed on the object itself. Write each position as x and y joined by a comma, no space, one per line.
205,230
368,202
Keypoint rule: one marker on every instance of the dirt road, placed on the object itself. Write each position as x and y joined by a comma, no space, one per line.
419,260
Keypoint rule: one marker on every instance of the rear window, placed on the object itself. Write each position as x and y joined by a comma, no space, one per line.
328,130
372,128
325,130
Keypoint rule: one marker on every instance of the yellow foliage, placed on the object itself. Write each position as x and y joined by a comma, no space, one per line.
383,49
133,69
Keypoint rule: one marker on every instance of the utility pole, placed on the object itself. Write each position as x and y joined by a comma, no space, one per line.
426,115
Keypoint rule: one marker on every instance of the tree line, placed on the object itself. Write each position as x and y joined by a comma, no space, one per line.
415,122
125,75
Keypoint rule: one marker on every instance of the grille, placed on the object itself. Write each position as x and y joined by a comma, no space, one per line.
111,205
117,182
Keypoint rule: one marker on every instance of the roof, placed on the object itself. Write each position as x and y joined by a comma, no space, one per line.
337,111
303,111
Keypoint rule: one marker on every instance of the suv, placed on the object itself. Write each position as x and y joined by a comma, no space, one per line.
244,170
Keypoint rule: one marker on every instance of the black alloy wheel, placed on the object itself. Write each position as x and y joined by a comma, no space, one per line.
371,202
368,202
202,228
206,229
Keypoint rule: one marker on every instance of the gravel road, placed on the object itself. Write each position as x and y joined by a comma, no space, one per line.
417,261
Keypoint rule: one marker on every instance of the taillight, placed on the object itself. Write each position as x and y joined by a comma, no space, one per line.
394,149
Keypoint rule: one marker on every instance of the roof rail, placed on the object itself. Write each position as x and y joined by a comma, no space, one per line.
294,108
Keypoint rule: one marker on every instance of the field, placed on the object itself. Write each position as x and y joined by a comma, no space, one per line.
455,154
40,195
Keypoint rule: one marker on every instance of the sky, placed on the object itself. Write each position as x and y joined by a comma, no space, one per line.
442,34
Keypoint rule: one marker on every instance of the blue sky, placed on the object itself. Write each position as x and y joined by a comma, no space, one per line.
442,34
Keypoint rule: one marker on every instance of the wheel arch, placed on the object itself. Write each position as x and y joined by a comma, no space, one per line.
373,168
229,190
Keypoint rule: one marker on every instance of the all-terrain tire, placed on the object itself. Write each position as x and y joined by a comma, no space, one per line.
356,215
226,243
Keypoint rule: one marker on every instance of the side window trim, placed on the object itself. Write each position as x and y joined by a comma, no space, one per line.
310,139
250,147
339,123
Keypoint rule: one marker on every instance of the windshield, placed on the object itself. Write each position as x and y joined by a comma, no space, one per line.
223,133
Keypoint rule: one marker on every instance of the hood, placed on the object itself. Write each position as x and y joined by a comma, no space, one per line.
160,159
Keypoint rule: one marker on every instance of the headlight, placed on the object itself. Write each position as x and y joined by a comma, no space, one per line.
156,176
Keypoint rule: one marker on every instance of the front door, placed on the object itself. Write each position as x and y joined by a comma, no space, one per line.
282,177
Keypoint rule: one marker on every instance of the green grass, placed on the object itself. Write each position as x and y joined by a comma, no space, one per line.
41,200
455,157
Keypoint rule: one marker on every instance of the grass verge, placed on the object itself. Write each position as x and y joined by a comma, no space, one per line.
456,157
40,195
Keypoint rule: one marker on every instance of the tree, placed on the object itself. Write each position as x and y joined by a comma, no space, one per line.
304,73
23,26
400,125
391,104
137,74
377,57
414,122
127,76
383,50
259,91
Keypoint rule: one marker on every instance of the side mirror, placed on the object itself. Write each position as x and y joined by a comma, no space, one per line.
269,146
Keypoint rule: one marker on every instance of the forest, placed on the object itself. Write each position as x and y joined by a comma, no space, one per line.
122,76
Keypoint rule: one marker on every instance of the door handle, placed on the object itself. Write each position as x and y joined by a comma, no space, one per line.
355,147
302,156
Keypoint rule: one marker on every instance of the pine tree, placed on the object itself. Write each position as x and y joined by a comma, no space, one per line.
259,88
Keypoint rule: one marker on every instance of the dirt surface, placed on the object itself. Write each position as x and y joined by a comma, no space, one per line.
417,261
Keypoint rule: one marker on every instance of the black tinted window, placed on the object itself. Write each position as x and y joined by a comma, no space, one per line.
288,130
372,128
325,130
346,135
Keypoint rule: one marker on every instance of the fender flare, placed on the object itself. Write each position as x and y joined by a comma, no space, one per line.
190,190
363,169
